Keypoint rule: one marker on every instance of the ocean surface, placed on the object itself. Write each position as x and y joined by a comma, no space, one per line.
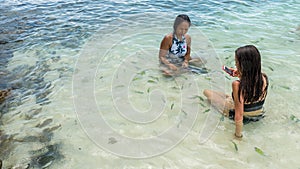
87,92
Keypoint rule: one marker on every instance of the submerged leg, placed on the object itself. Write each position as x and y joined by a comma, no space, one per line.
219,100
198,62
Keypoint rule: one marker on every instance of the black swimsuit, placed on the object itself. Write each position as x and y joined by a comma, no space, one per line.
177,51
251,107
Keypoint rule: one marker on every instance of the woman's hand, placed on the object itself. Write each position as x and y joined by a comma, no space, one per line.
185,64
235,72
172,67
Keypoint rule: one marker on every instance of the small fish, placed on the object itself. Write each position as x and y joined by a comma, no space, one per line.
119,86
202,104
270,68
292,117
227,47
176,88
139,92
151,81
112,140
184,112
259,151
207,78
207,110
199,97
142,73
179,123
172,106
163,100
222,118
136,78
235,146
155,78
148,90
285,87
257,41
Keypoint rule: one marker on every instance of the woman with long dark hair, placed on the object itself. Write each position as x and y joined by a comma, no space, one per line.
248,93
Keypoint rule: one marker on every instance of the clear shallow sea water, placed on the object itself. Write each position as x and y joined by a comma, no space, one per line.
88,93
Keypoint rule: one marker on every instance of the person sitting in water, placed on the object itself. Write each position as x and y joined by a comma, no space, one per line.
248,93
175,48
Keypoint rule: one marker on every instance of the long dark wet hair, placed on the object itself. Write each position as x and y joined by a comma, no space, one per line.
179,19
251,82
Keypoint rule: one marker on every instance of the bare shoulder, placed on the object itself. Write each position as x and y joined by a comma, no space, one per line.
235,84
187,37
265,76
265,80
235,92
166,42
169,36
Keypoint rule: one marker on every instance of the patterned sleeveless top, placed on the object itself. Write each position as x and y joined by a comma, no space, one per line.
177,51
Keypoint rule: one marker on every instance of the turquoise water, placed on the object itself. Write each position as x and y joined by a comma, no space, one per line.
88,93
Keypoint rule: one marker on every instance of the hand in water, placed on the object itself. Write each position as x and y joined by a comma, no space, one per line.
173,67
185,64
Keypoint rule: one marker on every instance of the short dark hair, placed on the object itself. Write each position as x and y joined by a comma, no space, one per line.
179,19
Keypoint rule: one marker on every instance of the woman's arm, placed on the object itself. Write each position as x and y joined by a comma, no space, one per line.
187,56
164,48
239,109
165,45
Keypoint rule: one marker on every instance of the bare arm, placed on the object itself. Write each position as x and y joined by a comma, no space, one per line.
187,56
239,109
165,44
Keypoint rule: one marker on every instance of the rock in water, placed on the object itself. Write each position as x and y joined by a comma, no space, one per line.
45,160
4,94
